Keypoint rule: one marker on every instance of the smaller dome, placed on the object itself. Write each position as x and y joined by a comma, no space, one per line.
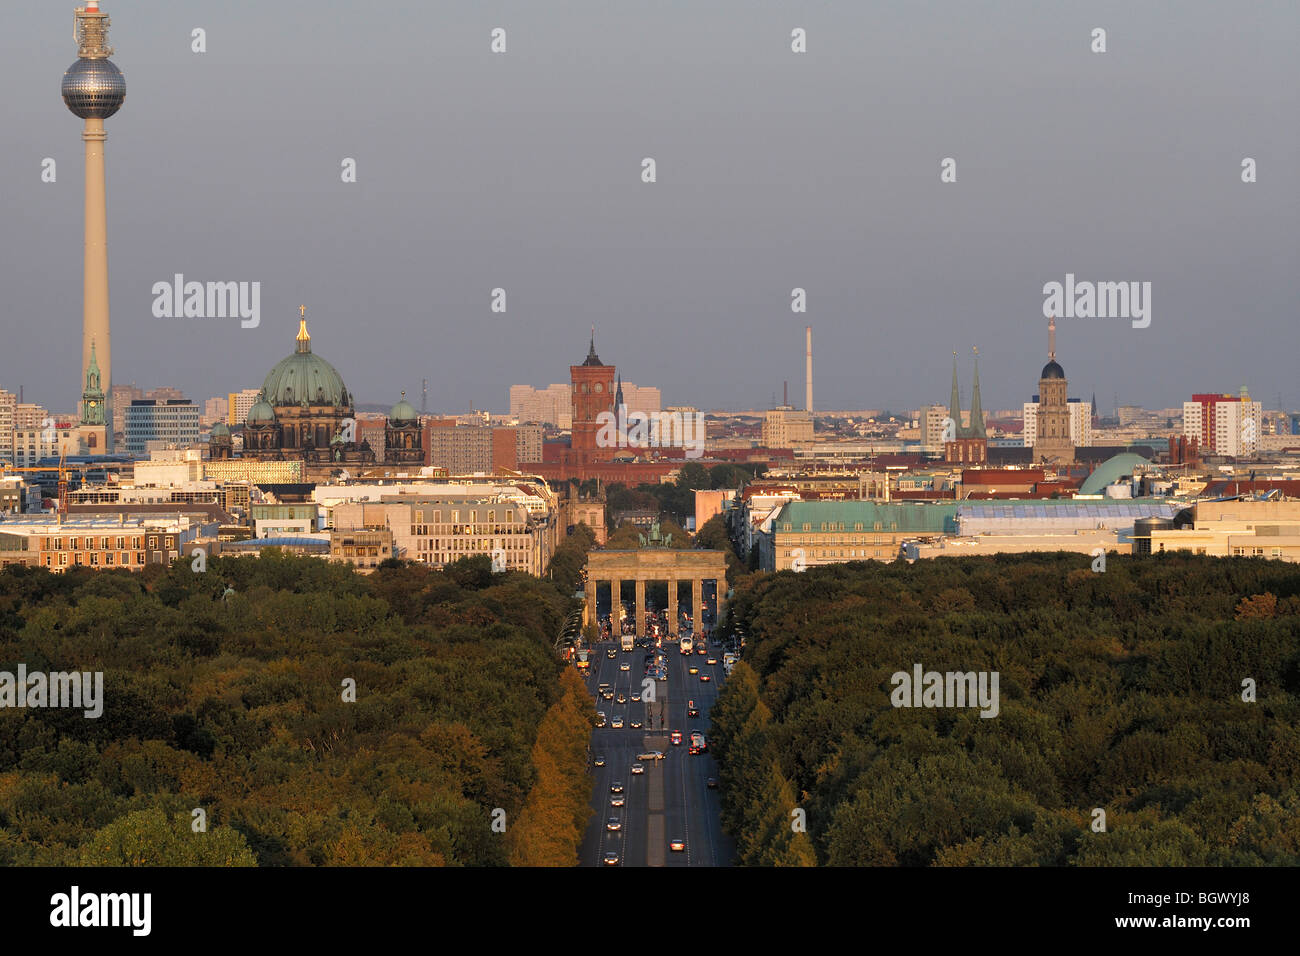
1052,370
220,430
261,413
403,411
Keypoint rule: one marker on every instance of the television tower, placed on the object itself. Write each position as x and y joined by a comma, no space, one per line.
93,89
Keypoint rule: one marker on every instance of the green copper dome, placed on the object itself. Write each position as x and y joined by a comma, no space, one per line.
403,411
304,378
220,430
261,413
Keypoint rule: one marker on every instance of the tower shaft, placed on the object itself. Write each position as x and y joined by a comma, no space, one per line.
95,325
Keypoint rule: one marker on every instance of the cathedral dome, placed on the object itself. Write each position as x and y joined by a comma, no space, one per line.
220,430
403,412
304,378
1052,370
261,413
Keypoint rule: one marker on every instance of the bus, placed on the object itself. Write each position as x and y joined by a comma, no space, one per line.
698,743
687,645
628,641
582,662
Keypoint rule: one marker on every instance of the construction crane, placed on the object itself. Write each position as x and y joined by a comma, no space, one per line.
63,468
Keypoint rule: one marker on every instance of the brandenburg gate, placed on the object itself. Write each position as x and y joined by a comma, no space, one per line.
652,564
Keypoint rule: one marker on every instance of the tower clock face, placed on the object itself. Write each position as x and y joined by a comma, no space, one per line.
596,387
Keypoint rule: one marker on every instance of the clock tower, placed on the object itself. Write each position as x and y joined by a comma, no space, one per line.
93,428
592,392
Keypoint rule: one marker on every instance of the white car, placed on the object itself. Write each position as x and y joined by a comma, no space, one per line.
617,723
638,768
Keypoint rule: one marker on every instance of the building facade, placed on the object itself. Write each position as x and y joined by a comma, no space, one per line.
160,423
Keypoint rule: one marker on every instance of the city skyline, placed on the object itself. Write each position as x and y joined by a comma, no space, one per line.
757,194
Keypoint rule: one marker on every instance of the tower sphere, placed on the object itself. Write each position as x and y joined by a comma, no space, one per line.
94,88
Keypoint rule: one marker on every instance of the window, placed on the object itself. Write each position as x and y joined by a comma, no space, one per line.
121,544
153,541
139,557
75,544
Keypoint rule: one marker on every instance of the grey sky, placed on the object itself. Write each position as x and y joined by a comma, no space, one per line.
775,170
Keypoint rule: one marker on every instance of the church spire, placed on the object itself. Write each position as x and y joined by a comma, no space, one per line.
976,411
954,404
618,396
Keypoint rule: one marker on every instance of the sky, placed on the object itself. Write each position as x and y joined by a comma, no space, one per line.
775,170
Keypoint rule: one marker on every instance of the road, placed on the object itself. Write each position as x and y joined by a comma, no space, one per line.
671,799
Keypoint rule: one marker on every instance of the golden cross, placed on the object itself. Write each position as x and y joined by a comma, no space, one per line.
302,310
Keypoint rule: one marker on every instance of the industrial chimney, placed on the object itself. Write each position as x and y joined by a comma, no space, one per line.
808,370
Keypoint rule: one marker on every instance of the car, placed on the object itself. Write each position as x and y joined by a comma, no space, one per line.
613,824
711,783
692,670
622,698
638,768
677,846
611,859
607,694
600,718
624,666
600,760
617,800
636,725
611,653
676,738
705,678
636,698
701,649
650,755
711,661
616,787
617,723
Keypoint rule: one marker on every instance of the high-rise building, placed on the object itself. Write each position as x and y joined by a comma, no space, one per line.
171,422
121,396
1052,442
786,426
93,89
165,393
1224,424
548,406
238,404
215,410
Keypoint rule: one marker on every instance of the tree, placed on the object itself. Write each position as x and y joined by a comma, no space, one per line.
151,838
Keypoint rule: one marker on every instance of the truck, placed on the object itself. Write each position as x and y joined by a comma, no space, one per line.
698,744
628,641
687,645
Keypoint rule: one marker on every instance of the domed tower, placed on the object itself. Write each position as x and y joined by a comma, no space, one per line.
311,402
94,89
403,435
1052,443
219,442
261,430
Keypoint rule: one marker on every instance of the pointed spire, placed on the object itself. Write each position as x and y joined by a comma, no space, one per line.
1051,339
976,411
618,396
592,357
954,404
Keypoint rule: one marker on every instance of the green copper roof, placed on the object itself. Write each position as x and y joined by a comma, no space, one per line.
304,378
909,517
